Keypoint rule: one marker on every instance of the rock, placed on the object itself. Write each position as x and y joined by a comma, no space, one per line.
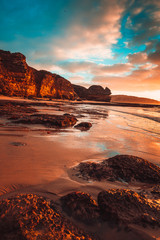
82,92
93,171
131,168
81,206
84,126
31,217
15,110
65,120
94,92
18,79
126,206
18,144
120,168
151,193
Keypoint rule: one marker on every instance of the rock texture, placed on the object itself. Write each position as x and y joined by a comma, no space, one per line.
126,206
65,120
20,112
18,79
83,126
31,217
81,91
81,206
120,168
94,92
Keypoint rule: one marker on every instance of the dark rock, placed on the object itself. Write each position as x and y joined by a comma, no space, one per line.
131,168
81,206
18,79
97,90
15,110
31,217
107,91
82,92
17,144
126,206
120,168
151,193
84,126
65,120
98,93
94,92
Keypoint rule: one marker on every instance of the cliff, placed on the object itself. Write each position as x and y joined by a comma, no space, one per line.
94,92
19,79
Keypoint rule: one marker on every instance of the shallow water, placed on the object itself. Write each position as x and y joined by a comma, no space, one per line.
45,155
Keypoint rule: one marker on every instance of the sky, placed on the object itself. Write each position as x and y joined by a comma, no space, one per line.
114,44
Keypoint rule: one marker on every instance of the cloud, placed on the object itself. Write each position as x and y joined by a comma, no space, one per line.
144,21
138,58
138,80
113,69
93,38
155,57
74,67
97,69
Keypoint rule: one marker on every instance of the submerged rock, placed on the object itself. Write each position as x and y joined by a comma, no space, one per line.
65,120
18,144
81,206
31,217
126,206
120,168
15,109
84,126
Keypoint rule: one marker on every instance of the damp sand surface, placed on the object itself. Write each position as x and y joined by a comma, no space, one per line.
37,159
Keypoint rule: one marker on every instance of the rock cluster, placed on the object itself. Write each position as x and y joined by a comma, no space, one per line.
94,92
65,120
19,112
126,206
120,168
117,206
18,79
31,217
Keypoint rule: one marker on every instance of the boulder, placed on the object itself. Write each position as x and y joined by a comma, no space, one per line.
83,126
19,79
126,206
65,120
131,168
81,206
126,168
31,217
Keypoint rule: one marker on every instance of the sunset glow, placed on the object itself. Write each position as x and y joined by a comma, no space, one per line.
110,43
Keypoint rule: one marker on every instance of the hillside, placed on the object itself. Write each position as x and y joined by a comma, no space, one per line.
132,99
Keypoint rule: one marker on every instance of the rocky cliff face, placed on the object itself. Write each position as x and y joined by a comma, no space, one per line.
18,79
94,92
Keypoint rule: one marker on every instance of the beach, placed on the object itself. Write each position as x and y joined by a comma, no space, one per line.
38,159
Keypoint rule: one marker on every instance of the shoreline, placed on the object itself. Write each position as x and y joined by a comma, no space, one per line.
38,172
51,102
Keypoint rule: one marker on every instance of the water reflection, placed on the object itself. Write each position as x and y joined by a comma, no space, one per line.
47,153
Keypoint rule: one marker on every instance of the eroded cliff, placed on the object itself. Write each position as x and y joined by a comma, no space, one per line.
19,79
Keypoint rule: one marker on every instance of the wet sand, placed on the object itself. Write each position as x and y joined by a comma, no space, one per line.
37,159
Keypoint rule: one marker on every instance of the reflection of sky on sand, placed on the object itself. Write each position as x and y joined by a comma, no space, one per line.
46,156
124,131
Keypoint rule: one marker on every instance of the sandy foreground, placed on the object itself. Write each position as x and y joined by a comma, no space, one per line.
37,159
